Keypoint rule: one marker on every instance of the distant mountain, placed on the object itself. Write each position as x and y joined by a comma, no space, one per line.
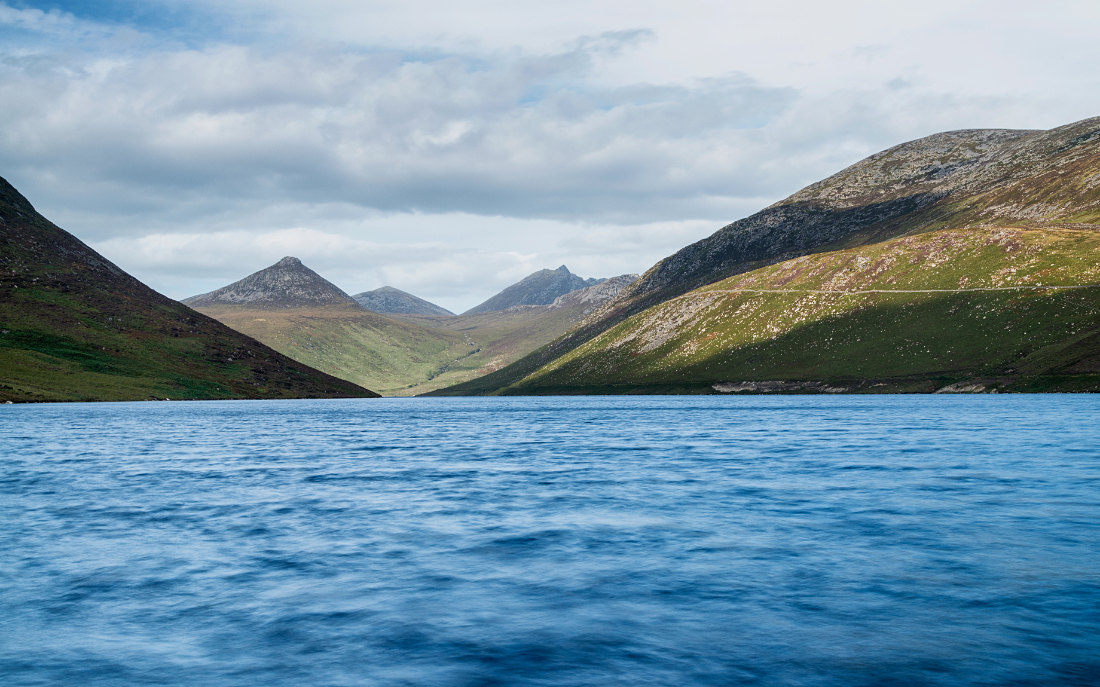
388,300
960,180
540,288
286,284
74,327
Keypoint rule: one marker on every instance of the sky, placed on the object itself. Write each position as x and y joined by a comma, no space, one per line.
450,149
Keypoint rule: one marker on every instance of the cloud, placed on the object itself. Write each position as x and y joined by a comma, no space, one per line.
523,136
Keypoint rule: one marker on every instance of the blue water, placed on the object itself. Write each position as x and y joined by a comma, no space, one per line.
565,541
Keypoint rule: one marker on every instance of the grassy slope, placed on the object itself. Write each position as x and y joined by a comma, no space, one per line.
725,332
378,351
494,340
399,355
74,327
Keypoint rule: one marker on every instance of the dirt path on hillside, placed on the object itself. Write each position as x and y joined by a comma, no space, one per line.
865,291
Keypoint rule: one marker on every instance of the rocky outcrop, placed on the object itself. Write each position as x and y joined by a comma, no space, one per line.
592,297
390,301
286,284
540,288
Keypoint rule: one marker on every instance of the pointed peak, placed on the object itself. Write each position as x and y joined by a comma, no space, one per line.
286,284
563,268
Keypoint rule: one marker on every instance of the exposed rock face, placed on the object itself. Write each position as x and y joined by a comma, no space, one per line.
540,288
286,284
592,297
388,300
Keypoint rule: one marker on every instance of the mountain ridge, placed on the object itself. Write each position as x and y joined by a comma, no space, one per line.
989,309
537,288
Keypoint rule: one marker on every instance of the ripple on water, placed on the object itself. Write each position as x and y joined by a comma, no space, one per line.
569,541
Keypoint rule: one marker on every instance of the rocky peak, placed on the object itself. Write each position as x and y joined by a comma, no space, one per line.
286,284
539,288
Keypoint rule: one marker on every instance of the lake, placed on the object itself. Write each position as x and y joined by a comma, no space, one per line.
794,540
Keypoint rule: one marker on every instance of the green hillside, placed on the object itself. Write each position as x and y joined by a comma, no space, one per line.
494,340
383,353
74,327
960,309
953,180
399,355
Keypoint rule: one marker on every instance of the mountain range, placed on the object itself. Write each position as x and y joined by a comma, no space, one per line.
75,327
992,195
962,261
412,348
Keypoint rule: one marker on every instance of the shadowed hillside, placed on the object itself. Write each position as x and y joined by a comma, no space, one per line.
74,327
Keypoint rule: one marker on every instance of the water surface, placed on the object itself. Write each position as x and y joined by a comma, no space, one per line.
563,541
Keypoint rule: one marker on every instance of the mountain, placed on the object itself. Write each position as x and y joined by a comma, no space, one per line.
407,354
960,180
75,327
390,301
540,288
286,284
299,313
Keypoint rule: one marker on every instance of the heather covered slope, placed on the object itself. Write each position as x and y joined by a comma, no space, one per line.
74,327
961,179
1010,309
